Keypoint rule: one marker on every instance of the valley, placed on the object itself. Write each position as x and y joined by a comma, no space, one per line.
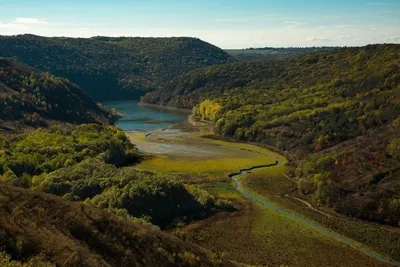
290,160
335,113
187,150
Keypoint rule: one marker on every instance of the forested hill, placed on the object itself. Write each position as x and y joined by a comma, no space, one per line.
38,229
311,81
338,111
113,68
29,97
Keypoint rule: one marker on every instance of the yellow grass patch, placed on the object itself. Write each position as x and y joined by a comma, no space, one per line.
229,157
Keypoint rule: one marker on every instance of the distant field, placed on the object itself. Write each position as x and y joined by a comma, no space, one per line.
270,53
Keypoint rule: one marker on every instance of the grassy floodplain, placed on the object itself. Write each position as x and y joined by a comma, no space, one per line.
213,159
274,187
254,234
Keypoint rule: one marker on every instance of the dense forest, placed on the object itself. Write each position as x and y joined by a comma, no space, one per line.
29,97
93,163
336,111
273,53
41,230
113,68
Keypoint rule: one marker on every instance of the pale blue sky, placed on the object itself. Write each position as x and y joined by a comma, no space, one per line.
228,24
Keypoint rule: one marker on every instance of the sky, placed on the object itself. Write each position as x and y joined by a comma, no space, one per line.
225,23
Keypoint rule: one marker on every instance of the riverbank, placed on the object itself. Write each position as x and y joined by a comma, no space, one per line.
270,236
188,110
180,150
197,122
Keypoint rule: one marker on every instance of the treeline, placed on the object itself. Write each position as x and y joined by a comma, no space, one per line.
113,68
32,98
306,105
92,163
274,53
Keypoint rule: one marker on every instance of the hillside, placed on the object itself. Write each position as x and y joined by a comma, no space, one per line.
109,210
273,53
337,112
44,230
29,97
95,164
113,68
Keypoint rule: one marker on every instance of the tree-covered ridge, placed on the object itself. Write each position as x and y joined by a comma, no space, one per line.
273,53
313,104
91,163
114,68
29,97
321,98
41,230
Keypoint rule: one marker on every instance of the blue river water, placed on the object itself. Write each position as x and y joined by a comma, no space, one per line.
145,118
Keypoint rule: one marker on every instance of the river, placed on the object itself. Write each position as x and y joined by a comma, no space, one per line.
149,118
139,117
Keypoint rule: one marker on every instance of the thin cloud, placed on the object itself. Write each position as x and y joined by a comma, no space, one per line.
317,38
85,29
269,17
13,26
30,21
345,37
294,24
392,39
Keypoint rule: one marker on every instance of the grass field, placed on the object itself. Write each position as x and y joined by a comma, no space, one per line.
273,186
194,156
258,236
254,234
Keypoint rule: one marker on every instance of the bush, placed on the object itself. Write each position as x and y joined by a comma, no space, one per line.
46,150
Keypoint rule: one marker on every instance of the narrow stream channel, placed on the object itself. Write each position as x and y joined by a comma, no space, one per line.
332,234
152,118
